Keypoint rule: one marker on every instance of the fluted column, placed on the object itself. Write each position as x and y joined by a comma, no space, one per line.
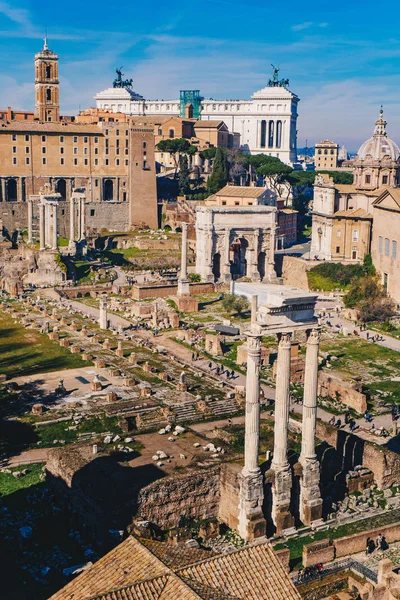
54,241
71,221
226,264
42,225
251,521
282,399
252,423
310,396
184,251
183,281
82,205
310,494
30,219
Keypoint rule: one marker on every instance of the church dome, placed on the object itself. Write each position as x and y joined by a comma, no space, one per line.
380,146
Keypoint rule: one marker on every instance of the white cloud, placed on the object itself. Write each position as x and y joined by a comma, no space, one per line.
17,15
308,25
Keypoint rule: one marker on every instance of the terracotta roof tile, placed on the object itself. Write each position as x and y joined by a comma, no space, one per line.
251,573
175,556
354,212
240,191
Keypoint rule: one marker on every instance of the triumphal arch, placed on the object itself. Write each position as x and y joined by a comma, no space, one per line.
234,242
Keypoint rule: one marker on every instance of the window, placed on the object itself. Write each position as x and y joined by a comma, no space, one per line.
75,150
14,137
144,145
106,131
43,161
85,150
107,162
394,249
126,131
270,134
61,139
223,202
159,131
337,249
144,166
85,140
126,163
61,150
61,161
86,161
355,235
75,161
126,143
385,179
96,140
117,132
380,245
126,151
92,212
14,149
106,151
117,162
43,149
368,179
96,150
43,138
14,161
96,161
48,72
96,183
263,133
387,247
26,149
339,233
237,203
75,139
27,160
27,138
171,133
117,151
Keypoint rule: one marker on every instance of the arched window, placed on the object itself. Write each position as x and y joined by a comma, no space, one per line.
108,191
61,188
48,95
48,72
278,134
171,133
271,134
12,190
263,137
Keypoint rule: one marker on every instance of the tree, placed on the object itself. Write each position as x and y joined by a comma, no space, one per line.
220,172
370,299
208,153
301,182
238,304
274,172
340,177
368,265
176,147
183,180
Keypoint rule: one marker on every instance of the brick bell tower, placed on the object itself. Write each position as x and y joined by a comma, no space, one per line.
47,103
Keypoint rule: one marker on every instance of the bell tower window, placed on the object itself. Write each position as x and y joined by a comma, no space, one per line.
48,95
48,72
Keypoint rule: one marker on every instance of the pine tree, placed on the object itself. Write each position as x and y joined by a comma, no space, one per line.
183,181
220,174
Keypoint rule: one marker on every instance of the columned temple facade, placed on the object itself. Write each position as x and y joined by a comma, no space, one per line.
267,122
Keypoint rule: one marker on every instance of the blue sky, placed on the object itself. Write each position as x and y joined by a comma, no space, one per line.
343,60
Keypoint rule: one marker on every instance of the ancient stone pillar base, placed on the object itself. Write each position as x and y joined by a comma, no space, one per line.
310,495
183,287
252,524
187,303
281,492
182,387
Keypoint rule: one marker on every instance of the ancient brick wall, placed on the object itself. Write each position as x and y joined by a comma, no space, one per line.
384,463
140,292
322,551
294,271
229,495
352,544
195,495
333,385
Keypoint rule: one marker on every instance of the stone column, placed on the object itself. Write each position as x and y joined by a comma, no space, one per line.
103,321
30,219
54,241
226,264
82,208
282,475
183,282
79,221
310,495
42,225
251,519
71,221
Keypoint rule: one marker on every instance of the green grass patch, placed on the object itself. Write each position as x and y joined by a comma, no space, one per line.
62,242
10,484
26,351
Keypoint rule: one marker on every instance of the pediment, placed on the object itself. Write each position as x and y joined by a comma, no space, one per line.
389,200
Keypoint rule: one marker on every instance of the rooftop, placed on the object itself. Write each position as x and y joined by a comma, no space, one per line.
240,191
141,569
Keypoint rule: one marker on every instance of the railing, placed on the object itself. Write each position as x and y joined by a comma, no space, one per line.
313,574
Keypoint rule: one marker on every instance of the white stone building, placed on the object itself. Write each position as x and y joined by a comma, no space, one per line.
267,122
